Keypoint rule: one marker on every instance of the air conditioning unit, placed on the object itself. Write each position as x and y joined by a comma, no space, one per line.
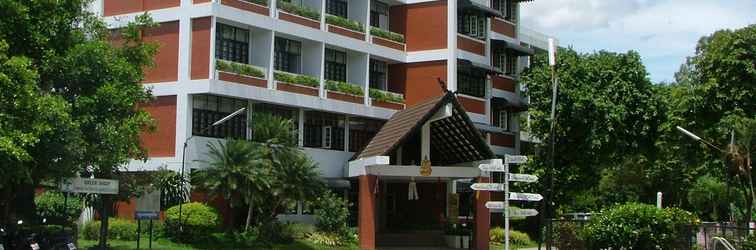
327,134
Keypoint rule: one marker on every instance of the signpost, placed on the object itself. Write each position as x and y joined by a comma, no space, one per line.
89,185
147,208
503,206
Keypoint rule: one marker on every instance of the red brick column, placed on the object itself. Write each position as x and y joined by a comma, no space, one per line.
367,212
482,218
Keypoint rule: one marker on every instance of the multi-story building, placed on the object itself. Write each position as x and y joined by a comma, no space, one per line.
340,69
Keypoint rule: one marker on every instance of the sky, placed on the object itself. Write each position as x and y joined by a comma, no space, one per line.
664,32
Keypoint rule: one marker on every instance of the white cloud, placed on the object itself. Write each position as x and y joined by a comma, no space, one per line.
663,31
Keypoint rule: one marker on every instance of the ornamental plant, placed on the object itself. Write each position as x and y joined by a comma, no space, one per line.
393,36
345,23
199,222
343,87
385,96
54,207
305,80
299,10
239,68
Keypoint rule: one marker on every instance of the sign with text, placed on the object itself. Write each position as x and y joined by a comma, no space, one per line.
88,185
525,197
515,159
498,187
515,212
148,206
495,205
493,168
522,178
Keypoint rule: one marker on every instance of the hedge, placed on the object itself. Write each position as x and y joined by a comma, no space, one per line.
296,79
298,10
396,37
199,222
345,23
343,87
118,229
239,68
386,96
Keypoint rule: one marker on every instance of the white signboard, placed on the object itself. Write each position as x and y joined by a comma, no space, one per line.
515,159
522,178
88,185
525,197
493,168
513,212
495,205
148,206
488,187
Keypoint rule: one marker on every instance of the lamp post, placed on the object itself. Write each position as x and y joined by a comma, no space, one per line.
183,156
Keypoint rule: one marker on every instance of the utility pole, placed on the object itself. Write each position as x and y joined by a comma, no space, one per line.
548,213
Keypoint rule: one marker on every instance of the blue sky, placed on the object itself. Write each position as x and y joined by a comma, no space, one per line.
663,31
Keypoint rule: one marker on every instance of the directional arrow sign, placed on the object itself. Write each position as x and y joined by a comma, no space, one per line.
488,187
493,168
515,159
525,197
522,178
517,212
495,205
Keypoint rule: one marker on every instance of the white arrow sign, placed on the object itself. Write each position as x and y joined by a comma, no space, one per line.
522,178
515,159
488,187
495,205
517,212
525,197
493,168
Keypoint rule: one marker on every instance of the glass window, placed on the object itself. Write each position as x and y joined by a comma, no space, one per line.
361,131
281,111
471,82
231,43
502,119
505,62
324,130
287,55
508,8
472,24
335,65
379,15
378,73
337,8
207,109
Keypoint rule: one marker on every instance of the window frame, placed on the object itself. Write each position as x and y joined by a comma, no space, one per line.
211,110
284,59
379,9
375,71
337,8
335,65
472,24
503,119
232,49
464,87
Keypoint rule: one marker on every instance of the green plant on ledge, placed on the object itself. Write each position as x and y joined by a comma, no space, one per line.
260,2
393,36
296,79
385,96
345,23
239,68
343,87
299,10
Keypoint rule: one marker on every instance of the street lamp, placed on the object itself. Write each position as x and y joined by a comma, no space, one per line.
183,156
698,138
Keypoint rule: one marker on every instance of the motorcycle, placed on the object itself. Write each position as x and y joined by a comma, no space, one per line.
26,238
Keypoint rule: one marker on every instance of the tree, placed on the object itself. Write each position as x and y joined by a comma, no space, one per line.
606,112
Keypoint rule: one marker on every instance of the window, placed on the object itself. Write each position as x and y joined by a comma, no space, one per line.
378,73
471,82
335,65
207,109
231,43
508,8
502,119
505,62
361,131
379,15
324,130
287,55
337,8
472,25
281,111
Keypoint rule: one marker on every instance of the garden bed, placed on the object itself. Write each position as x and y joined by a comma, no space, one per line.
246,80
251,6
387,104
335,95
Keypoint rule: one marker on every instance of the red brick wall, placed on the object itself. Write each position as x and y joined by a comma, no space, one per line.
503,27
503,140
503,83
473,105
200,66
418,81
162,141
166,35
423,24
118,7
471,45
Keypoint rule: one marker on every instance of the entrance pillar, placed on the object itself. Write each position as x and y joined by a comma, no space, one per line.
482,218
367,212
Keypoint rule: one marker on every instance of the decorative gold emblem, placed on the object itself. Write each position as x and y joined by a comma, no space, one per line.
425,167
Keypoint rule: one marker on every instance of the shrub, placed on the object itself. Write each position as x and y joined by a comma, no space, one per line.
516,238
343,87
199,222
53,206
345,23
300,231
386,96
239,68
331,214
275,232
326,239
299,10
260,2
118,229
396,37
296,79
750,242
638,226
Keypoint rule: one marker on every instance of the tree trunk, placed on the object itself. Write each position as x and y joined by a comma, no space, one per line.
249,216
106,202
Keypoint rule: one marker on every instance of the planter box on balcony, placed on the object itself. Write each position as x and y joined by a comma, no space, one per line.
244,5
345,97
471,45
388,43
388,105
246,80
298,20
346,32
457,241
296,88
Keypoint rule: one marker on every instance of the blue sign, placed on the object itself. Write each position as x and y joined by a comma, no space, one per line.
147,215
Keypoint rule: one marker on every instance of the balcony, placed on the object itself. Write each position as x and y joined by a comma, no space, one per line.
387,39
254,6
345,92
345,27
297,83
241,73
386,99
299,14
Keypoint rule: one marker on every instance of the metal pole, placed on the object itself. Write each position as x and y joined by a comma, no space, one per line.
150,233
549,172
183,184
139,229
506,205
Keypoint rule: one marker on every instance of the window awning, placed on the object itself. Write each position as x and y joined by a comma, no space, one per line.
517,105
474,6
514,47
470,64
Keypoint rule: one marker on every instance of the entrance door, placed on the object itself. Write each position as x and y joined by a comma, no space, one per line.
426,213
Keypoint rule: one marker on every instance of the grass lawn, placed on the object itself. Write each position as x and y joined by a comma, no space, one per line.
163,244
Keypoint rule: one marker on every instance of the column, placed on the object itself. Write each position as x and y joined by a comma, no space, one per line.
367,212
482,218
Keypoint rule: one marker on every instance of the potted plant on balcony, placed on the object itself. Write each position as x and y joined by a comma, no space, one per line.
298,14
386,99
457,235
345,91
302,84
345,27
240,73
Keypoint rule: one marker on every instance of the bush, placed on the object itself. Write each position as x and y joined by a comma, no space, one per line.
301,231
326,239
638,226
296,79
516,238
750,242
343,87
396,37
260,2
53,206
118,229
345,23
331,214
386,96
299,10
239,68
199,222
275,232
